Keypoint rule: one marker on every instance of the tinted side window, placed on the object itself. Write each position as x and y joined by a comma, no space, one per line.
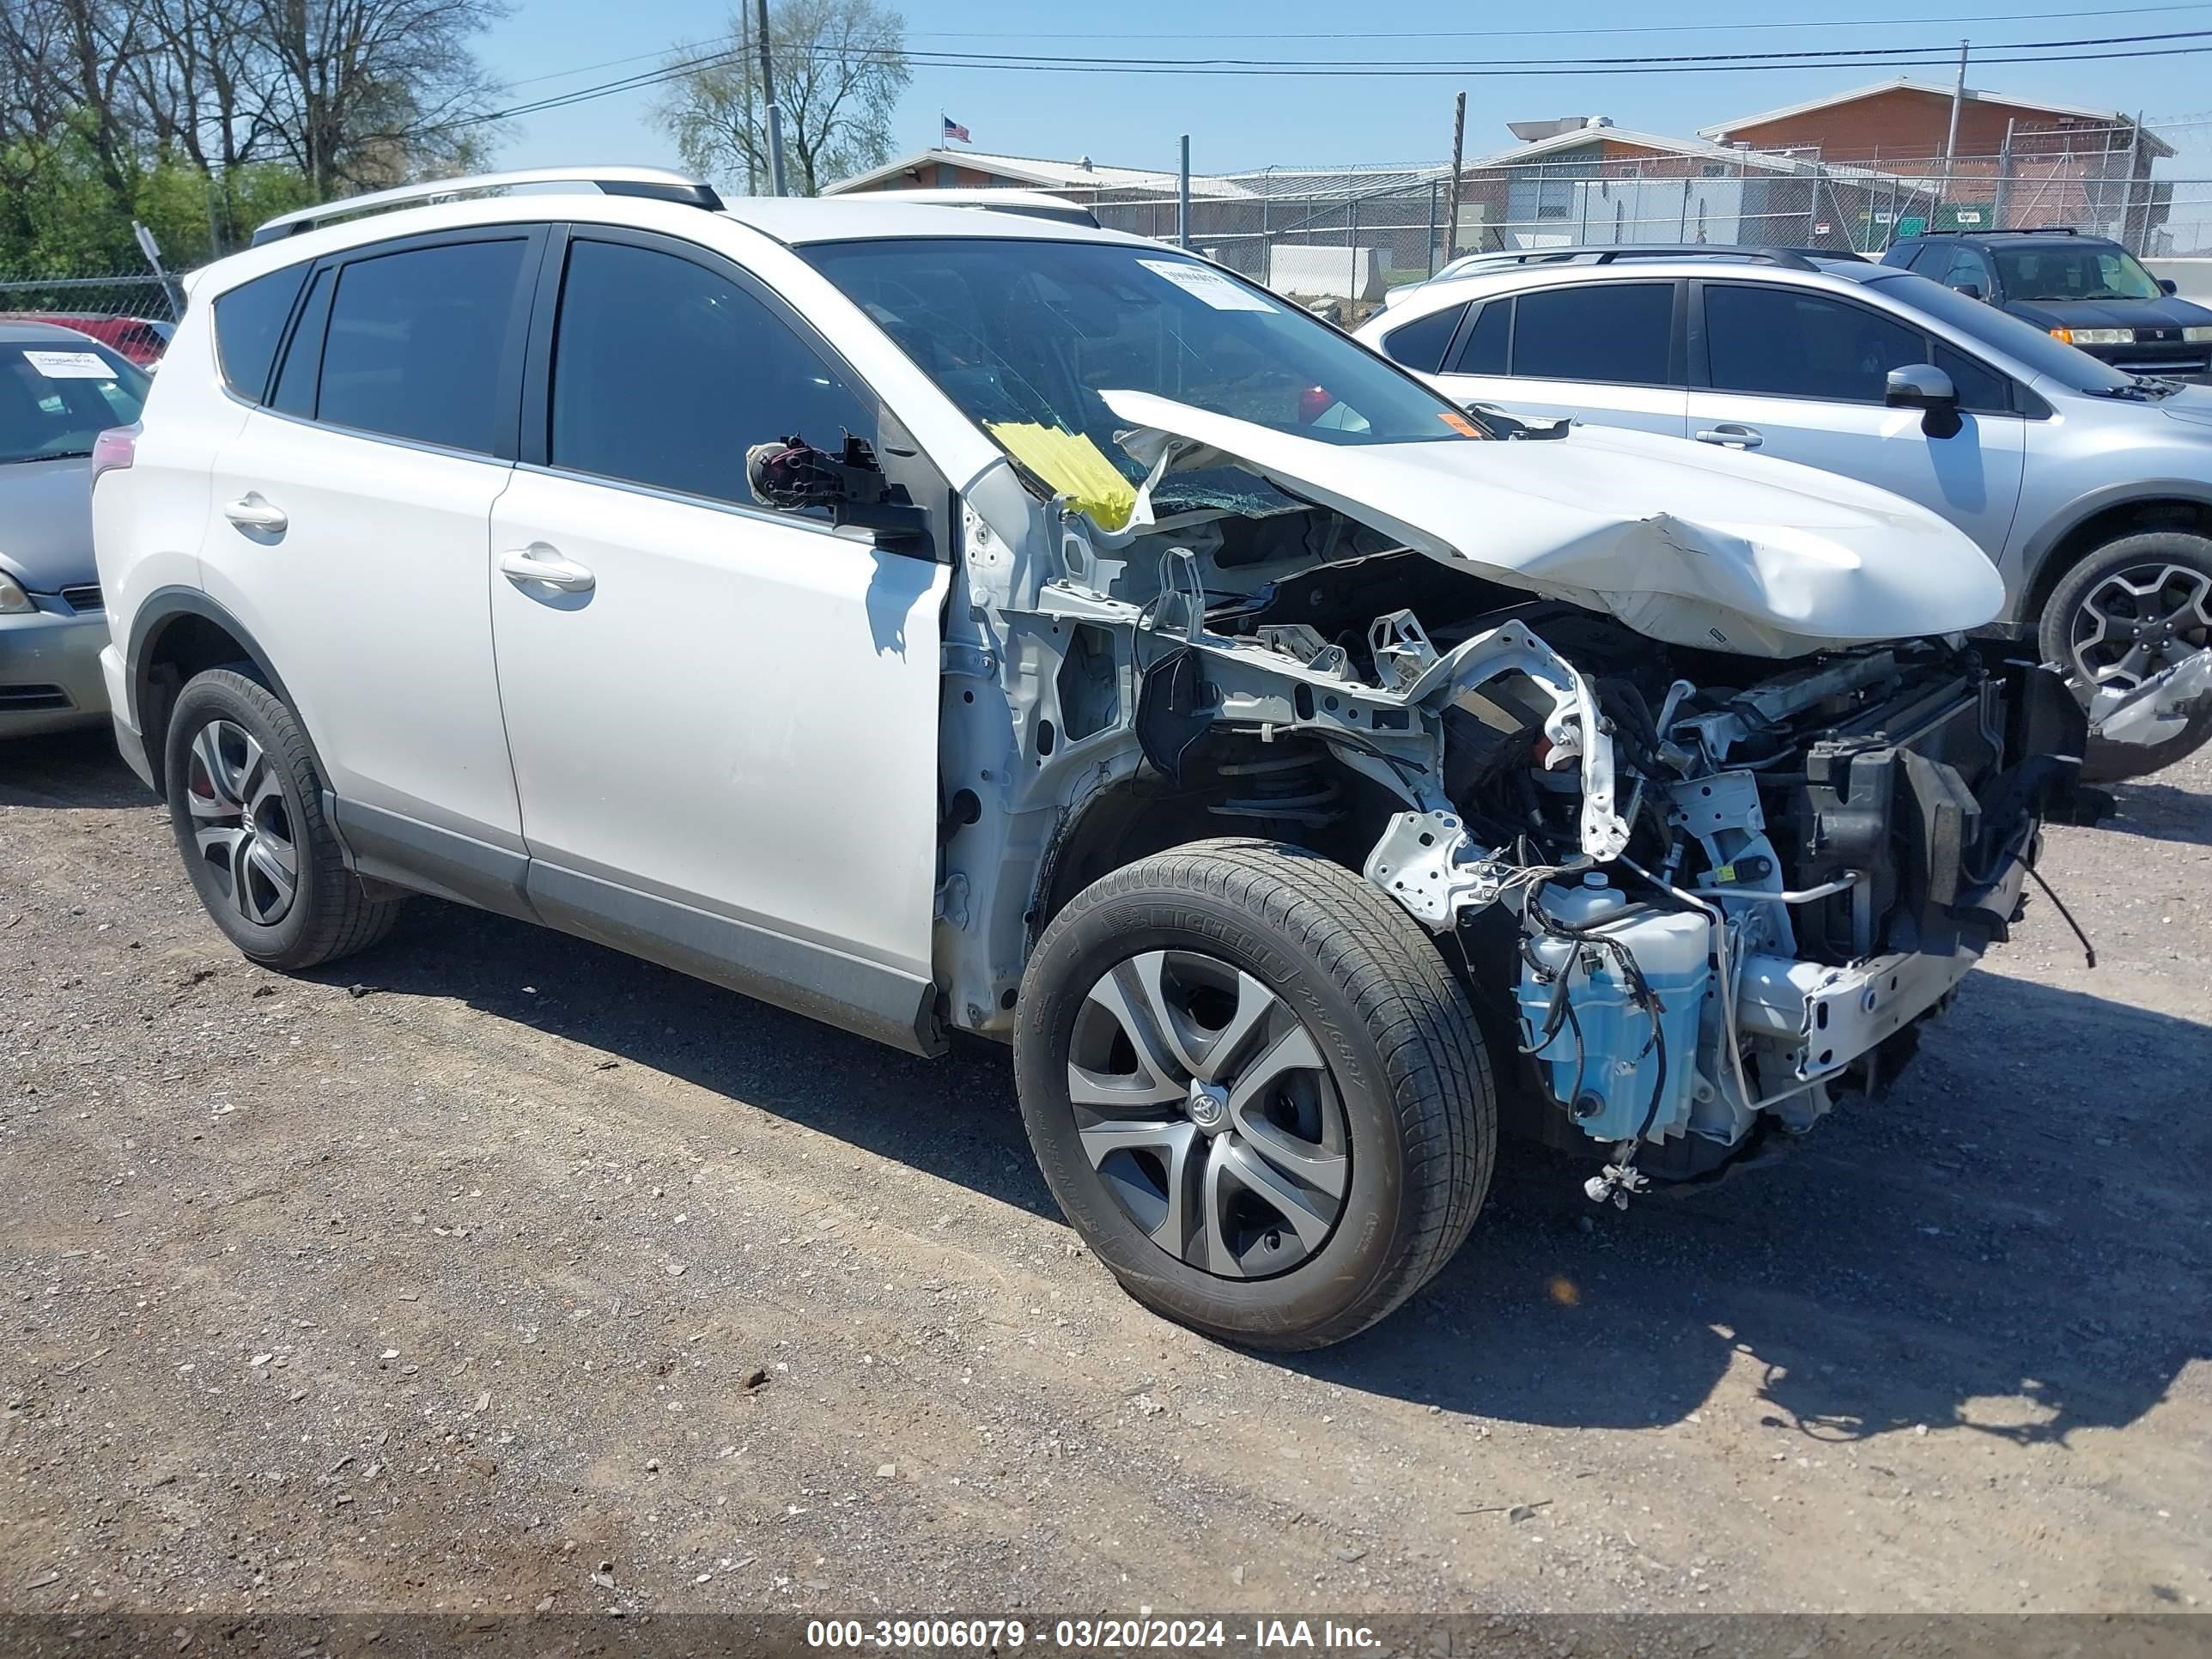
1981,388
1967,268
1788,343
665,374
1483,351
249,321
415,341
1420,343
1619,332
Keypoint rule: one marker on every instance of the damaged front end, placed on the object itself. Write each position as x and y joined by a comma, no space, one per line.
1702,889
1706,903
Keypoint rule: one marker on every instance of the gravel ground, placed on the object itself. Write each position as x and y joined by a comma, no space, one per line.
493,1271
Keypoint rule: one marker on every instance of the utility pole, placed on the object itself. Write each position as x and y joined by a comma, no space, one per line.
1182,194
2004,177
746,61
2128,192
1451,202
774,115
1958,97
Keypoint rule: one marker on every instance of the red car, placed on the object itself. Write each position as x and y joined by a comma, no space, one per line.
140,340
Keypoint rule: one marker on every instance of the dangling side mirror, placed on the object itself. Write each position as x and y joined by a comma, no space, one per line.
1927,388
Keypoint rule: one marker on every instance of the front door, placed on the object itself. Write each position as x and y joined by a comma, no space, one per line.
1801,375
723,718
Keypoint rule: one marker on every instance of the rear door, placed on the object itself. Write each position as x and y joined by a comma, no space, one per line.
352,519
724,718
1610,353
1801,374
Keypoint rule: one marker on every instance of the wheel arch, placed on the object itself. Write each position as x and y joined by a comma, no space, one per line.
179,632
2106,516
1141,814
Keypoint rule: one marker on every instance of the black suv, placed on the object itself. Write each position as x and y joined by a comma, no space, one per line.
2087,290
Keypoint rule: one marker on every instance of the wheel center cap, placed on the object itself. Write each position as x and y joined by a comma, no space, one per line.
1209,1106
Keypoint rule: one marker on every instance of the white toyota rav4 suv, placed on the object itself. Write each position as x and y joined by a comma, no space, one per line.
936,621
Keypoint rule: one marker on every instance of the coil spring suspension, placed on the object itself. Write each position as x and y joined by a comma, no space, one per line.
1288,788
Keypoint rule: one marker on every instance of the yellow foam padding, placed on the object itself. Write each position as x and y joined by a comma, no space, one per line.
1072,464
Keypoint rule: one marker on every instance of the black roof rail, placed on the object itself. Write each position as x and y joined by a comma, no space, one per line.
1605,253
2044,230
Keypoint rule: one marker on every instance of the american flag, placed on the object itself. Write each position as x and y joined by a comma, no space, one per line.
953,129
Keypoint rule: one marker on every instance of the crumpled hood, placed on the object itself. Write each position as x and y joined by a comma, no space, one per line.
45,523
2192,403
1683,543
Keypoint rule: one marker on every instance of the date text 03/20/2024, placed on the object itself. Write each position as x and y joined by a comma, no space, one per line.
1139,1634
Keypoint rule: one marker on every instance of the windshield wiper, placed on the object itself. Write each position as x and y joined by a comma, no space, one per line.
51,455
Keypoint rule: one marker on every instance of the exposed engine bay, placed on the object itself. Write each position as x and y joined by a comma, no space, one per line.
1701,894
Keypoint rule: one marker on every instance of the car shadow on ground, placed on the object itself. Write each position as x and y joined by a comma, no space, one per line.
2012,1241
2161,812
69,771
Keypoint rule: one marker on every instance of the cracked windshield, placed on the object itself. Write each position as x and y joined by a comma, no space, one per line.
1023,335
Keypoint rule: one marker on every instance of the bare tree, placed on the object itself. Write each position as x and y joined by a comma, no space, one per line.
840,67
347,94
70,65
358,93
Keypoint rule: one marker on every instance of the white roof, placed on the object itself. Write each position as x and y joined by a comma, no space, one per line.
1766,160
1311,182
1906,83
1043,173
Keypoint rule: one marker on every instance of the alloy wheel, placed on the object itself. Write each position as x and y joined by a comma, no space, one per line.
2140,620
1207,1108
242,825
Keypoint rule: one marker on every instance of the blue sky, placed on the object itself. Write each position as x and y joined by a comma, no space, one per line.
548,46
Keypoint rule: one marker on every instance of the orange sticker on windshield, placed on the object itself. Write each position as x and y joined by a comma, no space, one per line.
1459,423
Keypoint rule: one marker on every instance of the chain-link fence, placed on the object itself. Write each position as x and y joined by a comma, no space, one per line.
132,315
1353,232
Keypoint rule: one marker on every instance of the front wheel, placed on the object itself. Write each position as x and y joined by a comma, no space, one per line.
1256,1089
2133,607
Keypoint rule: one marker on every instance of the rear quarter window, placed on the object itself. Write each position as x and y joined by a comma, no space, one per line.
1421,343
249,325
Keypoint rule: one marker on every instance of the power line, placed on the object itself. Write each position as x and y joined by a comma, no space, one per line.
1888,57
1808,57
1456,34
1610,28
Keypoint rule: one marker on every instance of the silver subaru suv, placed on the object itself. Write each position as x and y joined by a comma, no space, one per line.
2089,488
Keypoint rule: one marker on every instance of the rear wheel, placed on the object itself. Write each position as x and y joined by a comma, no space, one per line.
247,806
2131,609
1256,1091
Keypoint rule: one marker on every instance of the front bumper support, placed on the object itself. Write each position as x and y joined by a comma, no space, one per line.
1830,1017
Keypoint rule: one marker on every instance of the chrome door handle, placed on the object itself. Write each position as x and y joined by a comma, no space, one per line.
1731,435
540,564
251,512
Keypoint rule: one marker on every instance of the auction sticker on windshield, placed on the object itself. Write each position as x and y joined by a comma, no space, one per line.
70,365
1209,285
